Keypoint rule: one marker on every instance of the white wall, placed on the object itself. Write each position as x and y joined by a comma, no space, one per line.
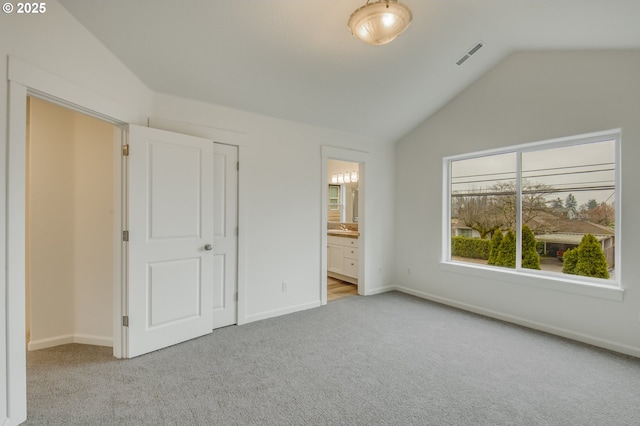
528,97
280,172
93,230
51,257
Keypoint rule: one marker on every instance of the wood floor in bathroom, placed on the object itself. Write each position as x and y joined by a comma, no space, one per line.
337,289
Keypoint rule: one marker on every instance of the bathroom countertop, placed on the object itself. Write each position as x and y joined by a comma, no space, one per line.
343,233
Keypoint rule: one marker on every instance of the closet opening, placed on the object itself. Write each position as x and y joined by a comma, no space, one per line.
72,226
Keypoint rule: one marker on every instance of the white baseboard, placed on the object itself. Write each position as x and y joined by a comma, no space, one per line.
84,339
278,312
380,290
569,334
87,339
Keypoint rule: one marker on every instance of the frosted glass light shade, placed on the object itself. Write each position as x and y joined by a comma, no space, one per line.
380,22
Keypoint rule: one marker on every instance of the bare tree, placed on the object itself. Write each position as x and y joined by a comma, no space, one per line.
603,214
495,208
533,201
478,212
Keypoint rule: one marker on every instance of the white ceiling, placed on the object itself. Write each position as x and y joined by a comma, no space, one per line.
297,60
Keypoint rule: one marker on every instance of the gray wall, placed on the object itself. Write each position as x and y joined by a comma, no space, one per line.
528,97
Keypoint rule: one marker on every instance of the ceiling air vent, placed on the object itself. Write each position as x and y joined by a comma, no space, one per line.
469,53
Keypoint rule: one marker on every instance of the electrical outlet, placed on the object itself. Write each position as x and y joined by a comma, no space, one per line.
284,286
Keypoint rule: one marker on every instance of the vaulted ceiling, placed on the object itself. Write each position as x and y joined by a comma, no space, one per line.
297,60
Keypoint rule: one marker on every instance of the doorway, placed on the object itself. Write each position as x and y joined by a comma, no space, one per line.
71,226
342,229
343,239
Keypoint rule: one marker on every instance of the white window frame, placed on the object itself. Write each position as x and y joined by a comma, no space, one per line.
339,197
607,289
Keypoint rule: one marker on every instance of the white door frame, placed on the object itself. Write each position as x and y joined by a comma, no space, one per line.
360,157
24,80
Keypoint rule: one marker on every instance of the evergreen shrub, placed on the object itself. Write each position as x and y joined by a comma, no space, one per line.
476,248
569,260
507,251
494,247
591,259
530,257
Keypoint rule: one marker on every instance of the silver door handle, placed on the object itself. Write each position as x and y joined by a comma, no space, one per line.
208,247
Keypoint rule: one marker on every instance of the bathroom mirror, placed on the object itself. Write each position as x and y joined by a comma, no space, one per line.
343,180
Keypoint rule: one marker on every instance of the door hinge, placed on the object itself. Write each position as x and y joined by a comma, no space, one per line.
125,235
235,297
238,165
125,321
125,150
237,231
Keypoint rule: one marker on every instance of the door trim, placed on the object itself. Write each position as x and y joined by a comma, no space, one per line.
26,80
360,157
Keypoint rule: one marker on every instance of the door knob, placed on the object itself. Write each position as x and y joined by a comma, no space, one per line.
208,247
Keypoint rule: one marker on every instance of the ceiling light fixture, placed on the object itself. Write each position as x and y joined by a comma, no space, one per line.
380,22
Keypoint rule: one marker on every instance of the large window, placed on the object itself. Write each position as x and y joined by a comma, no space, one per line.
547,206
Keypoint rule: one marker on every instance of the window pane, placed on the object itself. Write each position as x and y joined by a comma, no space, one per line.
568,193
483,200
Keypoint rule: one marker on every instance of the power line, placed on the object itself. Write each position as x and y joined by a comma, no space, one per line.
570,167
527,177
535,170
525,192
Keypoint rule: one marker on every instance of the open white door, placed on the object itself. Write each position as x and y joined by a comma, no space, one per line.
225,253
170,224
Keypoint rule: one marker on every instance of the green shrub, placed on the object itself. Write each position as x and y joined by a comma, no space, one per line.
569,260
591,259
475,248
530,257
494,247
507,250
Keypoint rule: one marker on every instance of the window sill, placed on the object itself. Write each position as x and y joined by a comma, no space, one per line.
547,282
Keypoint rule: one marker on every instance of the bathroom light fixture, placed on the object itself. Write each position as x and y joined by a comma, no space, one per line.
346,177
380,22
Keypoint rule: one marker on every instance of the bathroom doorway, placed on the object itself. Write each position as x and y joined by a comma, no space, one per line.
343,239
342,229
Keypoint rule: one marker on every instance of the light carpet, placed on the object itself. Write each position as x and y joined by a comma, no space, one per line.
389,359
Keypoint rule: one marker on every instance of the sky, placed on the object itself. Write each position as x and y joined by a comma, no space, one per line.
586,171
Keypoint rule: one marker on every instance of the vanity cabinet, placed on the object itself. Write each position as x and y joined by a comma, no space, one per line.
342,258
